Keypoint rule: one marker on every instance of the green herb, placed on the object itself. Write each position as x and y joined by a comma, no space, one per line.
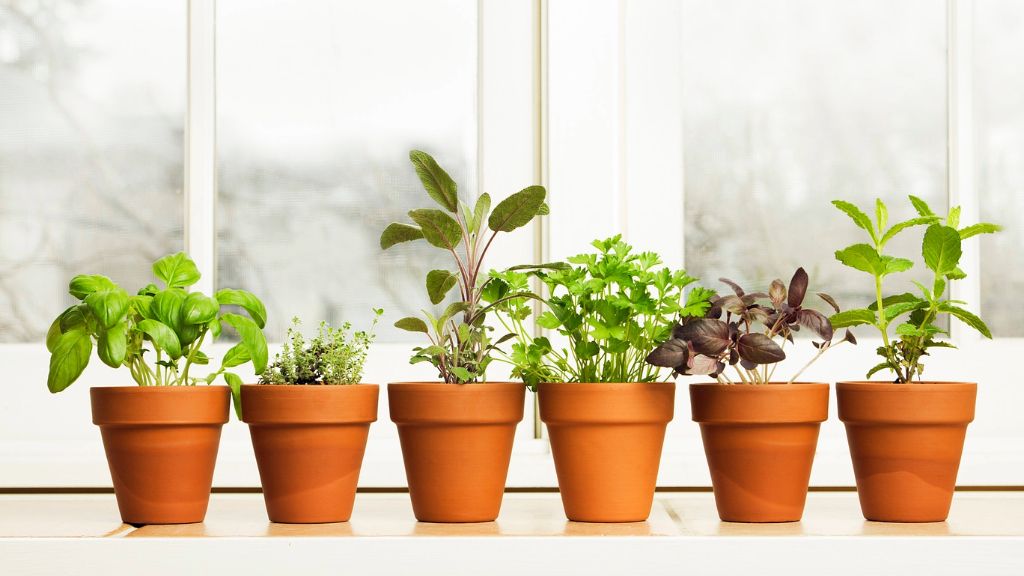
612,307
333,356
460,346
170,323
915,316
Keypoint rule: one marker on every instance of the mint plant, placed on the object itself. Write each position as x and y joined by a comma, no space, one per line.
611,307
332,356
460,346
171,324
915,315
751,337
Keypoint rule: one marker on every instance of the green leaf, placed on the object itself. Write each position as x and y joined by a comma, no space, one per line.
956,274
412,324
953,220
108,306
862,257
967,318
143,305
252,337
877,368
162,336
483,208
898,308
235,383
83,285
881,214
397,232
166,307
438,228
980,228
112,345
544,209
70,319
199,308
438,184
557,266
176,270
901,226
859,218
941,249
854,317
236,356
894,299
247,301
450,312
517,210
921,206
214,327
461,373
439,282
70,357
892,265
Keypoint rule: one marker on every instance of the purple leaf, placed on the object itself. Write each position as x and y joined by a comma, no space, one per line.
701,364
815,321
759,349
735,287
849,337
777,292
797,287
670,354
831,301
707,336
733,304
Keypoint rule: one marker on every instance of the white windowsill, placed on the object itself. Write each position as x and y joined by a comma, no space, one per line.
82,534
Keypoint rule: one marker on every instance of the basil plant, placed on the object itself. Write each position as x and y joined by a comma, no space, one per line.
171,324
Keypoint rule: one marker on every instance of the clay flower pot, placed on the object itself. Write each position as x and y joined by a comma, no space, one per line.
906,441
161,444
759,441
309,442
606,441
456,442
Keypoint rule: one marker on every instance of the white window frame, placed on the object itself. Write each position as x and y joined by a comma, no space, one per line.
554,85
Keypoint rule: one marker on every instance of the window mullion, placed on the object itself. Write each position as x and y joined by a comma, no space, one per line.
960,146
201,141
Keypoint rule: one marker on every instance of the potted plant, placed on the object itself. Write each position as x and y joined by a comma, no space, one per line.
759,433
605,408
906,436
457,433
309,417
160,437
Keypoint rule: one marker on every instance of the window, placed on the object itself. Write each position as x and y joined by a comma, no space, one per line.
318,104
999,153
91,121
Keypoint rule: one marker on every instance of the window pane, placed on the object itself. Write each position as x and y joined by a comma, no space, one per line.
999,148
788,105
319,103
91,120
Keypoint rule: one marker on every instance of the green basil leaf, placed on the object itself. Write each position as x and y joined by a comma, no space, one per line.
252,337
112,345
162,336
69,359
247,301
176,270
108,306
236,355
235,383
166,307
83,285
199,308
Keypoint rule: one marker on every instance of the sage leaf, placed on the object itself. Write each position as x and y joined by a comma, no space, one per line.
439,282
517,210
412,324
438,228
438,184
396,233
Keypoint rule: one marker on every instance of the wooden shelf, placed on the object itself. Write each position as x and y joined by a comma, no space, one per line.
80,534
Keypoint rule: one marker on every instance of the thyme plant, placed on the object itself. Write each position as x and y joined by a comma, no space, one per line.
332,356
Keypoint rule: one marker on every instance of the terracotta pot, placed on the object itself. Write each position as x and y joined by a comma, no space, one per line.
759,441
606,441
456,443
161,444
309,442
906,441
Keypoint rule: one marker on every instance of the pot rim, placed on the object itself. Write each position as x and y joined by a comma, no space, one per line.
759,404
166,405
606,403
302,404
435,384
443,403
766,386
918,385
